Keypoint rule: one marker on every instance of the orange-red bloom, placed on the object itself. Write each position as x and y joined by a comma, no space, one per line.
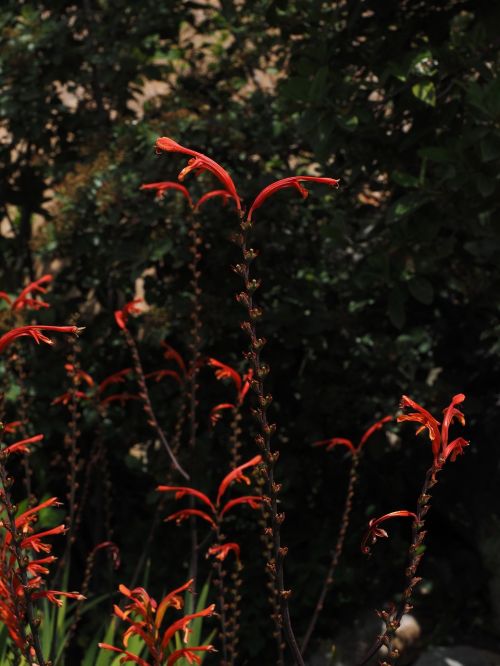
216,511
199,163
24,301
441,449
292,181
223,194
35,332
375,532
161,188
21,446
340,441
241,383
221,551
145,619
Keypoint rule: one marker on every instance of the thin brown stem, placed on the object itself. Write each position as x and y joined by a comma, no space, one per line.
148,407
393,618
264,439
336,552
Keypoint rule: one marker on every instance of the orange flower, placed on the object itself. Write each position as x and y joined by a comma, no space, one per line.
221,551
35,332
145,619
293,181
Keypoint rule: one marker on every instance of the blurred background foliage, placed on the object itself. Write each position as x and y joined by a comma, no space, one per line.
389,286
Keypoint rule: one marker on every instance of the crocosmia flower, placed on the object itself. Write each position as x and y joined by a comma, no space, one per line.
442,449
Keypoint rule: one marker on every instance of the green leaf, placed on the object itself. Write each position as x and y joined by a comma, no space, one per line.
425,92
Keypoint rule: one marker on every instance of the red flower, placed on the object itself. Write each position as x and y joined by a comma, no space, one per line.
12,426
375,532
171,353
224,194
79,374
242,385
216,512
441,449
21,446
115,378
162,187
122,398
199,163
293,181
340,441
158,375
24,301
35,332
121,316
216,412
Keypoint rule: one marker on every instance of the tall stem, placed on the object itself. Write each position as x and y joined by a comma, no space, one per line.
263,440
194,365
393,618
148,407
336,552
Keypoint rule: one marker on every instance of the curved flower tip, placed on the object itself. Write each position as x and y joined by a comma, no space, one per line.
221,551
373,429
237,475
223,194
375,532
199,163
188,653
162,187
335,441
293,181
184,514
216,412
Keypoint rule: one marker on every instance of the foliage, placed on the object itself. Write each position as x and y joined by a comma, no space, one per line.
389,287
